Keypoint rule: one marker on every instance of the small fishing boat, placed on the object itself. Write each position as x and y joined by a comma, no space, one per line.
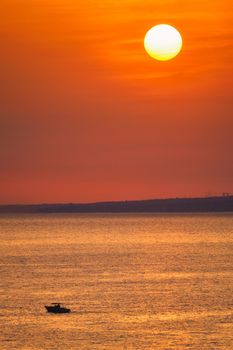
56,308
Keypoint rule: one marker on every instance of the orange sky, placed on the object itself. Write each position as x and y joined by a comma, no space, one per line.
87,115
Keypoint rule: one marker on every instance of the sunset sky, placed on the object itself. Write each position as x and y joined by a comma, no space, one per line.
86,115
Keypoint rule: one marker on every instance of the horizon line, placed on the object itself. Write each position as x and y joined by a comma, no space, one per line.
223,195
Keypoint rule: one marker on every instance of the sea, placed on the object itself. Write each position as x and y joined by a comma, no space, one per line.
132,281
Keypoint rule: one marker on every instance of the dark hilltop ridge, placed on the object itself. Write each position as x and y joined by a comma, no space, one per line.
184,205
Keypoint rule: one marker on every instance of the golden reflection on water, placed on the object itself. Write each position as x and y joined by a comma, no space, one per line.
132,281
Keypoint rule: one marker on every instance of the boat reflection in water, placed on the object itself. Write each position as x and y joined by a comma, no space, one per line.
56,308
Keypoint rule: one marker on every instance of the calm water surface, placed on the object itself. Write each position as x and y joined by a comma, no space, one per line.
133,281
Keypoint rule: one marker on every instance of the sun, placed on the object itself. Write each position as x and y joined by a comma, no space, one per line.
163,42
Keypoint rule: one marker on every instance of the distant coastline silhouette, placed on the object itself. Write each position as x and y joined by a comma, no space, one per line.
205,204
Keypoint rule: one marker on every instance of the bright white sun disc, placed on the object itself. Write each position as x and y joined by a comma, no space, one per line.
163,42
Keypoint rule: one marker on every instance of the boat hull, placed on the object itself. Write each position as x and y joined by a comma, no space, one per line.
57,310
